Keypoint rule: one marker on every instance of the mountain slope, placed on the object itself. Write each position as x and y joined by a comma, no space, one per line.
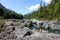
49,12
8,14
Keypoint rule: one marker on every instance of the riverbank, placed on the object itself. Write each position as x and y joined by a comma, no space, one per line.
17,29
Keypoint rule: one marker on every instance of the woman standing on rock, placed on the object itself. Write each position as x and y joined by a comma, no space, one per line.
40,27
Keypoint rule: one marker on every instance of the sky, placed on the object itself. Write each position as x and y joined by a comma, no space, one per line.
23,6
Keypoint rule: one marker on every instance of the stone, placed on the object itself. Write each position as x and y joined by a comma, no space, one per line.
21,32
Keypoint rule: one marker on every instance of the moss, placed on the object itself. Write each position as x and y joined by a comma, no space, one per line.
2,23
1,17
2,30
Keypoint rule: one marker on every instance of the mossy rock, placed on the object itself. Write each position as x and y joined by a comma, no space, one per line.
2,30
2,23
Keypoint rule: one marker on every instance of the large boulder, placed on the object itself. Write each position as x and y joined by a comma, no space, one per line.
20,32
42,36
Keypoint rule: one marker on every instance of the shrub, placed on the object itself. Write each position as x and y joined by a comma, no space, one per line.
58,19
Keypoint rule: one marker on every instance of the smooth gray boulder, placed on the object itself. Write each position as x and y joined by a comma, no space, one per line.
42,36
20,32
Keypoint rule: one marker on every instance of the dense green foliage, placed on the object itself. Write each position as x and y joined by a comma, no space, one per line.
8,14
49,12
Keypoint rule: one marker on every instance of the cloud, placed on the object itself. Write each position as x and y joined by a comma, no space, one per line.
47,1
33,7
29,9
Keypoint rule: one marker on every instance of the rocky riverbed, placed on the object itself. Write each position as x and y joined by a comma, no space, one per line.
17,29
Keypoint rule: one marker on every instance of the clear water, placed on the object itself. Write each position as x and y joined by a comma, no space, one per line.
34,27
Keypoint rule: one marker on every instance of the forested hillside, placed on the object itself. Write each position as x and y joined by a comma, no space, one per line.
49,12
8,14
